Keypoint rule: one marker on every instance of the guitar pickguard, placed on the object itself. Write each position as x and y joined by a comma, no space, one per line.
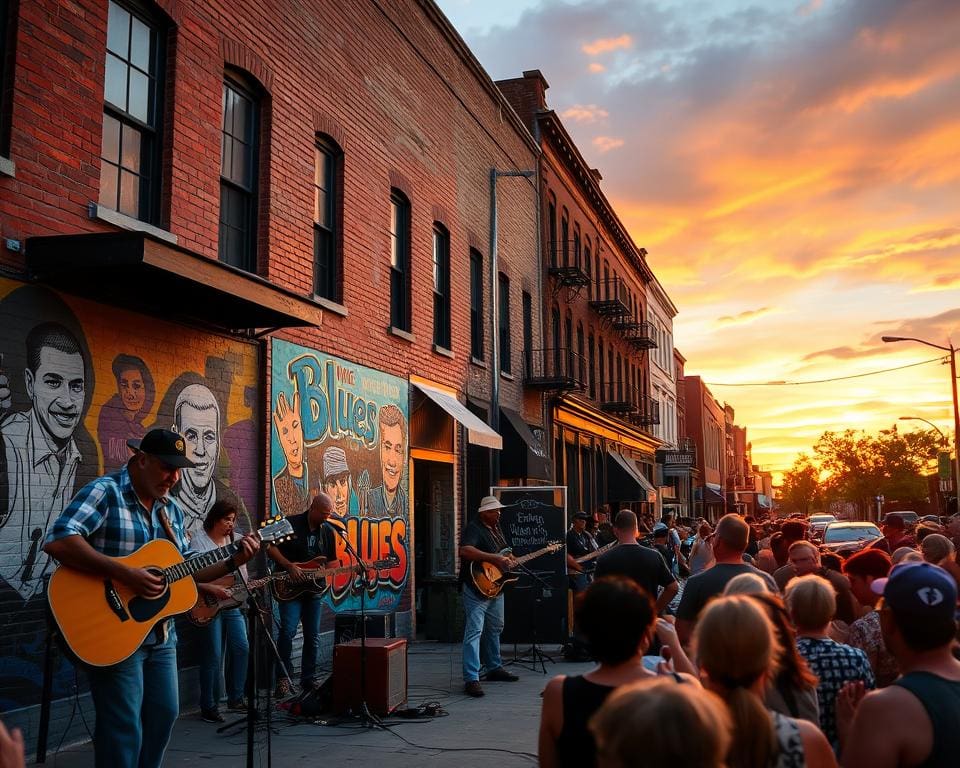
145,608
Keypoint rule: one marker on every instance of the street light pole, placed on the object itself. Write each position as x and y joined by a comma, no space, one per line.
956,407
943,496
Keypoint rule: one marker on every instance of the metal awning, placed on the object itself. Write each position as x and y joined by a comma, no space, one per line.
478,433
523,454
707,495
135,271
625,481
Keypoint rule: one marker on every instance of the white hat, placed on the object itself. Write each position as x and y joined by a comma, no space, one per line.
489,503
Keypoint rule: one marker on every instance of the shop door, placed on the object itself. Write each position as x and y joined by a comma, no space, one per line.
435,549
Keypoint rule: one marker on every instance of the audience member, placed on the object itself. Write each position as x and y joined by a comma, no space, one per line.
701,553
746,584
804,559
894,535
11,748
863,568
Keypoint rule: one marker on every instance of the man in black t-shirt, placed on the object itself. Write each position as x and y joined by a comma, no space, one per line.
579,543
312,539
642,564
483,541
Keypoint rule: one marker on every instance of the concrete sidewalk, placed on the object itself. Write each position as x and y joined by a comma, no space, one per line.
499,729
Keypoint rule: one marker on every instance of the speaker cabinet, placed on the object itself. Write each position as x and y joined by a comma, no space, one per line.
386,674
348,626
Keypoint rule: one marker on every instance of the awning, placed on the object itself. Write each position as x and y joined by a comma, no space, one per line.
478,433
523,454
707,495
764,501
132,270
625,482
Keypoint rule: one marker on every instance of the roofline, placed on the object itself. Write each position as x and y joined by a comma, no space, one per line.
657,287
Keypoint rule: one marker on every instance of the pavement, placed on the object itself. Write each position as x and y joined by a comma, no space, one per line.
499,729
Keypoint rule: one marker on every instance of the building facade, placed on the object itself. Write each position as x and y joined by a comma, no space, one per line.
705,423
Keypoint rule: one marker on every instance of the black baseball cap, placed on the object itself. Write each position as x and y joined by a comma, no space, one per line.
583,516
166,445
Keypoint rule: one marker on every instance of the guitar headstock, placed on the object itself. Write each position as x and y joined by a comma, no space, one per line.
275,530
553,546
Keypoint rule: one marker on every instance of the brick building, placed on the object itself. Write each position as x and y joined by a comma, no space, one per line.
594,364
705,425
272,231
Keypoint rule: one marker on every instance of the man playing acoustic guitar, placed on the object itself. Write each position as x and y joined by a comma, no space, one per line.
136,700
482,542
312,541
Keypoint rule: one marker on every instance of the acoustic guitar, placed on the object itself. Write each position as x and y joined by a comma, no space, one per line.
104,621
285,590
490,580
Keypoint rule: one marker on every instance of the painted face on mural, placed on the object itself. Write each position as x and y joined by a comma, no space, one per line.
200,431
286,419
338,489
391,456
132,391
56,389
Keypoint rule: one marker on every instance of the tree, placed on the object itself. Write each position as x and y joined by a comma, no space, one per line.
801,486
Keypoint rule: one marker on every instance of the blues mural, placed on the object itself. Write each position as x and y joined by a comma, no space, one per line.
342,428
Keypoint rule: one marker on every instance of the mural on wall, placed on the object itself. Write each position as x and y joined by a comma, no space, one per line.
77,380
342,428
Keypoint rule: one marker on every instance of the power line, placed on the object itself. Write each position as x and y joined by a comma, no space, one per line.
825,381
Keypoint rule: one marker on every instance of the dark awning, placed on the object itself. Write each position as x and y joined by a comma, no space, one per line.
625,482
523,454
133,270
707,495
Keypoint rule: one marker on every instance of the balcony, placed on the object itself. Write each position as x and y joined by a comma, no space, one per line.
617,397
648,413
641,336
612,300
566,266
555,369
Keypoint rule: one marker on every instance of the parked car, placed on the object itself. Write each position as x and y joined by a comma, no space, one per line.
817,525
909,517
846,538
933,519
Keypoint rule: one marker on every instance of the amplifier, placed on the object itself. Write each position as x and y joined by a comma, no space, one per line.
386,673
347,625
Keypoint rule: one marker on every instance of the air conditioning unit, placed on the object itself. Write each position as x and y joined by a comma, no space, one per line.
386,675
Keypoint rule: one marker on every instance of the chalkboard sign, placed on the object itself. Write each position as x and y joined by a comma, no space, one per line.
536,604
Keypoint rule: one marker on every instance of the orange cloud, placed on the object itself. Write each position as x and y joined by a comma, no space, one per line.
606,143
745,317
607,44
596,68
585,113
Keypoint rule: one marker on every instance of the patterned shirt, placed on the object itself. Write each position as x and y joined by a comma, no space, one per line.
834,664
110,516
865,634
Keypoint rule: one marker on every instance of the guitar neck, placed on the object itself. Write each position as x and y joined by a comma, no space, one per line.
199,562
595,553
524,558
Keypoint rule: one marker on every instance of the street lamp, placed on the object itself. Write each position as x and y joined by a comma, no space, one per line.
956,409
943,437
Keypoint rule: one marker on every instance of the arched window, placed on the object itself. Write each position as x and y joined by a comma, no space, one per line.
327,218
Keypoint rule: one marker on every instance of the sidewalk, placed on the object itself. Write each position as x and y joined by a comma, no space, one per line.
499,729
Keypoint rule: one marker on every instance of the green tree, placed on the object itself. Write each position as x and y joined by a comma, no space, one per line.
801,490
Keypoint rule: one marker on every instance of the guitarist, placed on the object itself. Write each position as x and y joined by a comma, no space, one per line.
312,539
579,543
483,541
137,700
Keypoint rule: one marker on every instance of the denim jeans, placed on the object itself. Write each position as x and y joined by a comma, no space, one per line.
137,703
228,630
308,608
481,634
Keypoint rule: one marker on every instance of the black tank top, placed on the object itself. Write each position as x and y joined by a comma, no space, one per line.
581,698
941,700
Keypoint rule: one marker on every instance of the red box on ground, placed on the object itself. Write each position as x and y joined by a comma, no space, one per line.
386,675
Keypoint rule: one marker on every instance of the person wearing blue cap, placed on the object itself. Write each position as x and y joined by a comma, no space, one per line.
915,721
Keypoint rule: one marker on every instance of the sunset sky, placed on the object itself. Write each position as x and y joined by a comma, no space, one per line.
792,168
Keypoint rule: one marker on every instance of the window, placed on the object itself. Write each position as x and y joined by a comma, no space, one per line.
556,342
596,271
592,364
476,304
238,175
552,227
327,217
8,37
565,238
399,261
601,378
504,322
576,246
527,329
441,287
132,98
586,259
581,361
606,281
568,343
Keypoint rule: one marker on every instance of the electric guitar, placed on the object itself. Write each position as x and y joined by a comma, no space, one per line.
285,590
596,553
104,621
490,580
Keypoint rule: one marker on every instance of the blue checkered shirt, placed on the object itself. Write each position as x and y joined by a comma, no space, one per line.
108,514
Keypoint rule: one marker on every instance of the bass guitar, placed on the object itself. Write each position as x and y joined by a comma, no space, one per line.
490,580
596,553
104,621
285,590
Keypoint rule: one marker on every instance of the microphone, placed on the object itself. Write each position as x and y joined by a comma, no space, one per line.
336,522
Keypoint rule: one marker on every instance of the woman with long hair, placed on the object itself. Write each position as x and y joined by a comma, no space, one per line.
737,652
618,620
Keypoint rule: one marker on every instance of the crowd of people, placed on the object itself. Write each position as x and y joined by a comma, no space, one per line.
744,645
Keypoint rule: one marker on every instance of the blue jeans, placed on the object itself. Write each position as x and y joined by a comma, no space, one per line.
481,634
137,703
227,630
308,609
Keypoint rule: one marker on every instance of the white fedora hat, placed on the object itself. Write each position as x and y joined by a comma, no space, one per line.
489,503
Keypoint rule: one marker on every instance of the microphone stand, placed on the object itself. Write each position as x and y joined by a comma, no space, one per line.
537,657
367,718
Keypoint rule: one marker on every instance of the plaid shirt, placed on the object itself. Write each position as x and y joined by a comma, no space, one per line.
835,664
108,514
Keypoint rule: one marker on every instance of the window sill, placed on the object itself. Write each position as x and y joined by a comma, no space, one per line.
128,222
7,168
331,306
505,375
405,335
443,351
478,362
